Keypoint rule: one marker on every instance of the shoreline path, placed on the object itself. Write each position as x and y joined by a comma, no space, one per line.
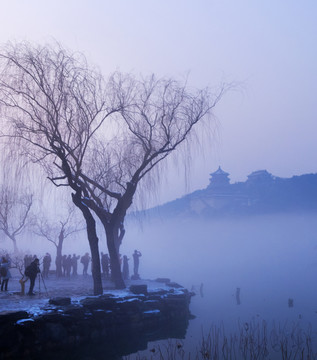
75,287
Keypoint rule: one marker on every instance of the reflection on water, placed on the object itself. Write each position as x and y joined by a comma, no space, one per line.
124,342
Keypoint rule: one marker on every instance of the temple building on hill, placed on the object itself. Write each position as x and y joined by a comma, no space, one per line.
219,178
219,195
261,193
260,177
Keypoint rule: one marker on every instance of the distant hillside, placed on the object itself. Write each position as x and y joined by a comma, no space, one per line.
260,193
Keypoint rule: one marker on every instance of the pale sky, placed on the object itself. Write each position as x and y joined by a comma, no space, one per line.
270,47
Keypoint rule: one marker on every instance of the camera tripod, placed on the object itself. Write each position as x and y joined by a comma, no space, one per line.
40,276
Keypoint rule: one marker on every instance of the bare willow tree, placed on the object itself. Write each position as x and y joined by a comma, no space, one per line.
52,105
58,231
158,116
14,213
105,138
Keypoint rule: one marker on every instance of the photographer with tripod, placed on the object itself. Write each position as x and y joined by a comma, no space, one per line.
31,272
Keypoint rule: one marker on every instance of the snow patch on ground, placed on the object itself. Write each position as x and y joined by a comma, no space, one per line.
77,288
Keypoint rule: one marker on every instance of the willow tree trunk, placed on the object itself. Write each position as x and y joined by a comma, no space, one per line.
116,275
111,231
14,241
94,249
115,232
93,244
96,270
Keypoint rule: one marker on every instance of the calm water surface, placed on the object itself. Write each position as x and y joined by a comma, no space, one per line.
272,259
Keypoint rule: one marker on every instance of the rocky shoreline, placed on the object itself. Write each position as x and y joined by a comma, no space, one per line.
111,325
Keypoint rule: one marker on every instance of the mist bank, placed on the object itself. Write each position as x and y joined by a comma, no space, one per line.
271,258
231,251
228,247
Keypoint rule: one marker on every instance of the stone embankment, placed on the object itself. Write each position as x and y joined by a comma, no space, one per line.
108,324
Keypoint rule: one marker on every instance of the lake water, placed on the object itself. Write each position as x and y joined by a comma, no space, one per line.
272,259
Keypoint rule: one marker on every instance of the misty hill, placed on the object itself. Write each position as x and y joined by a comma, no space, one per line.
260,193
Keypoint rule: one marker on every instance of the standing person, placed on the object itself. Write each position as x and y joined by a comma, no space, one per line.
64,264
85,261
105,265
136,262
125,269
68,265
31,272
46,265
74,264
5,273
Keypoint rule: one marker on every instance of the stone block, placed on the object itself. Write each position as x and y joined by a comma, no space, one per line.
163,280
60,301
99,303
12,316
174,285
138,289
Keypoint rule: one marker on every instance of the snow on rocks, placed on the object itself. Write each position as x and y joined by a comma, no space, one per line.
73,317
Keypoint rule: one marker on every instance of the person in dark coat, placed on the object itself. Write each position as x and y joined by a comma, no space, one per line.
105,264
74,264
64,264
136,261
68,265
85,261
31,272
5,273
46,265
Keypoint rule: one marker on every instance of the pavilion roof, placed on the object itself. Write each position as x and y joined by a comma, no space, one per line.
219,171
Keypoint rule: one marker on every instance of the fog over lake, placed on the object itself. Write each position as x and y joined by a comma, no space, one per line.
271,258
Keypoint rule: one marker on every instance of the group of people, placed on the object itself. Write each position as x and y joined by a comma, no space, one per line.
28,259
124,265
69,266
